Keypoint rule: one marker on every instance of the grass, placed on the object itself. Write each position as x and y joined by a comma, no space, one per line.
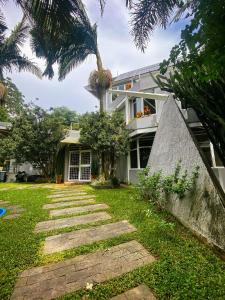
185,268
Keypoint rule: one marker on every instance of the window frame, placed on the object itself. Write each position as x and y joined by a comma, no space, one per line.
138,154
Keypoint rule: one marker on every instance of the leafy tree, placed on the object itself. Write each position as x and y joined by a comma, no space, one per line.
199,69
65,116
13,101
34,137
106,135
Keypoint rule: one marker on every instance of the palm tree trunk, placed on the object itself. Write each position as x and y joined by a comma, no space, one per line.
100,68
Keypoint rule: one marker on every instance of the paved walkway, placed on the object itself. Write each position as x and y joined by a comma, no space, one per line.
57,279
142,292
13,211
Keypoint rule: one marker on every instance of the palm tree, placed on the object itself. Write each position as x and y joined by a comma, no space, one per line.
11,56
69,48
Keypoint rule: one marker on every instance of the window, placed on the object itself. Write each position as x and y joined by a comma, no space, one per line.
142,107
149,106
140,150
128,86
137,106
144,156
133,155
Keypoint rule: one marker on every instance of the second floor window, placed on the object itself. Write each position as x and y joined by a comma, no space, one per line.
142,107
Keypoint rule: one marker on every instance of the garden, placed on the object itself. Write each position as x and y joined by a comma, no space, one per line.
185,268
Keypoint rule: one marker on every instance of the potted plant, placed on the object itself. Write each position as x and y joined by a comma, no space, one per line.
147,110
58,179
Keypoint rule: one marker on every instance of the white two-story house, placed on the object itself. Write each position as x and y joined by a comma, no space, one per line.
136,95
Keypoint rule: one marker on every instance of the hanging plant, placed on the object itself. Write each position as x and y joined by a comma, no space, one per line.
3,94
100,81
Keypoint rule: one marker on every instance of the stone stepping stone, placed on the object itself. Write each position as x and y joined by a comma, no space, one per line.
73,198
57,279
87,236
72,221
6,203
12,216
141,292
77,210
66,195
69,191
68,203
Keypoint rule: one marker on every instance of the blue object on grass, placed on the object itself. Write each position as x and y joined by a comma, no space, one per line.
2,211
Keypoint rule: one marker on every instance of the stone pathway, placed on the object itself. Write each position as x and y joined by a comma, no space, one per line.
68,194
77,210
64,199
68,203
55,280
141,292
72,221
14,210
87,236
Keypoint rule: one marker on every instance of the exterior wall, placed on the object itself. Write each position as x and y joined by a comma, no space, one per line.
203,210
143,123
133,178
15,168
66,164
121,169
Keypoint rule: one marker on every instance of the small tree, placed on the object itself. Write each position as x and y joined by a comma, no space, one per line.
108,136
34,138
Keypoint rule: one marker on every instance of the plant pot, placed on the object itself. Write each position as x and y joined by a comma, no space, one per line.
58,179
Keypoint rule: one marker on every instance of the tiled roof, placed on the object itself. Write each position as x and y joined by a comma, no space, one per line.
72,137
136,72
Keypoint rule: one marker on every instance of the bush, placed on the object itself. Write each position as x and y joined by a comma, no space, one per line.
115,182
152,187
149,186
21,176
42,180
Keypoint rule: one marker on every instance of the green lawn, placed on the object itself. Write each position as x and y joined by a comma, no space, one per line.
185,268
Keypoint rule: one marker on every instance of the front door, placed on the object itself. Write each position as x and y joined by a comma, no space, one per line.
80,165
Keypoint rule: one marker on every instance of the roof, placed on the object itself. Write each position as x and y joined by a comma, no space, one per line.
5,125
72,137
137,72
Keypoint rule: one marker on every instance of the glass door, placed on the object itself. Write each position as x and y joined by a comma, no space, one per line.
80,165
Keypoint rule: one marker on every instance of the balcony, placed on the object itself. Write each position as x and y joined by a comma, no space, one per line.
143,122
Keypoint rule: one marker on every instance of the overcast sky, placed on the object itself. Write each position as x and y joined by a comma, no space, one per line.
118,52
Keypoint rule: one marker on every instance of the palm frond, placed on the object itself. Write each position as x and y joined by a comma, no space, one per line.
3,27
147,14
18,35
23,63
72,58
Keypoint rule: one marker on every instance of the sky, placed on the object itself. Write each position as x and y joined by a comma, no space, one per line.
117,49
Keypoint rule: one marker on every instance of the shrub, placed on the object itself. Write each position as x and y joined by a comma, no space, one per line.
153,186
42,180
149,185
115,182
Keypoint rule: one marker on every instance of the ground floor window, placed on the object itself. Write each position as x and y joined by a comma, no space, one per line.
80,165
140,149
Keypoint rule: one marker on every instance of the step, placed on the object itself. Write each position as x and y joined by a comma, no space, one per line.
72,221
141,292
68,191
71,194
68,203
70,198
57,279
87,236
77,210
